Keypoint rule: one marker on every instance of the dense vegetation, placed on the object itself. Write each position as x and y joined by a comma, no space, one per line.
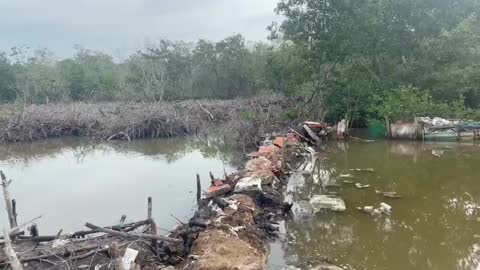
367,59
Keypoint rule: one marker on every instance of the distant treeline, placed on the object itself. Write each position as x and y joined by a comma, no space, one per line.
366,59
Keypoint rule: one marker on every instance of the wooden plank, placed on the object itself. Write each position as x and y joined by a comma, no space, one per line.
312,134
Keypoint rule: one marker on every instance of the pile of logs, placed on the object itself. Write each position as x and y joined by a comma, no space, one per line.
95,248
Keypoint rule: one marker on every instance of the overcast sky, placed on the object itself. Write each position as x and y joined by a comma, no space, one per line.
119,27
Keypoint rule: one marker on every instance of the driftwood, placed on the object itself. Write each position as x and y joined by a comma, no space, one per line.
15,234
210,115
123,227
8,201
11,255
14,210
312,134
199,190
302,137
17,228
149,208
132,235
62,253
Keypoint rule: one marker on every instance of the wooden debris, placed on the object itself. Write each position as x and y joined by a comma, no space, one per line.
131,235
8,201
312,134
9,252
210,115
302,137
199,189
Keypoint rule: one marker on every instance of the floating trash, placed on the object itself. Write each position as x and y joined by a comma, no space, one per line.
319,202
389,194
361,186
362,170
384,208
438,153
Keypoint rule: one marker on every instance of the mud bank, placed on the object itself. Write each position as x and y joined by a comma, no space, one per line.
248,118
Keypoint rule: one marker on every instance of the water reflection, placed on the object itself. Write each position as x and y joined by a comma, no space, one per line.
434,226
72,181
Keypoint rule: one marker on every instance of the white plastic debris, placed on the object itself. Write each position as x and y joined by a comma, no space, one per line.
345,175
369,210
59,243
238,228
361,186
319,202
363,170
217,209
308,167
128,258
316,178
249,184
385,208
437,153
233,204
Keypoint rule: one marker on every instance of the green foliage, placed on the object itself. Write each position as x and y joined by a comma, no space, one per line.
361,50
405,103
7,78
364,60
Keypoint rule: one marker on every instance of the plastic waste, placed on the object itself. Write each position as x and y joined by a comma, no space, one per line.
319,202
249,184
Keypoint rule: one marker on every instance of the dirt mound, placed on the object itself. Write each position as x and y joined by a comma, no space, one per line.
227,253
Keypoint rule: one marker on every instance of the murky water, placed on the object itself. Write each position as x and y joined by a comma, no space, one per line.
72,181
435,225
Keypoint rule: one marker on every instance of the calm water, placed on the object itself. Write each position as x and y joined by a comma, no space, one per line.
436,225
71,182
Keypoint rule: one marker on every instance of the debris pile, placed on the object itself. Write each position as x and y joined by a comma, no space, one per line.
316,131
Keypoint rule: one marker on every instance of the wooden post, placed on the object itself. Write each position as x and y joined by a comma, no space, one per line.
10,253
14,209
153,231
149,208
153,225
212,178
199,191
8,201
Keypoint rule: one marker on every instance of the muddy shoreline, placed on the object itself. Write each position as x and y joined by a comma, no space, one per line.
243,120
